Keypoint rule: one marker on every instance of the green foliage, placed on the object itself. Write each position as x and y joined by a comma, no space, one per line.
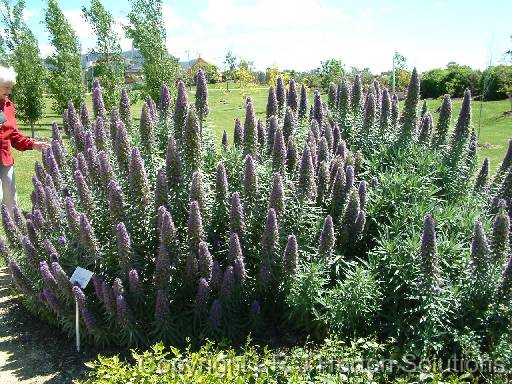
28,93
26,60
496,82
331,71
363,268
453,80
147,30
333,362
109,67
64,69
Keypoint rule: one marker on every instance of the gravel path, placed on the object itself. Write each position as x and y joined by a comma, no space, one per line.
30,350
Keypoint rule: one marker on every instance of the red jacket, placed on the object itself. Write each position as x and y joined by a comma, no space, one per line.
10,135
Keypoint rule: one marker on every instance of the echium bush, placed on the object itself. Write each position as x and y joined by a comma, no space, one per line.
355,221
183,240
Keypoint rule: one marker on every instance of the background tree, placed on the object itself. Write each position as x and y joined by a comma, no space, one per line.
26,60
271,74
230,65
331,71
4,58
147,30
65,80
244,74
109,67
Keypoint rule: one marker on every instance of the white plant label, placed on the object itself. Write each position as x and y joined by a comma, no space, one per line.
81,276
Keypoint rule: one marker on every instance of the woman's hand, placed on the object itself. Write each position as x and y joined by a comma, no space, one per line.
39,145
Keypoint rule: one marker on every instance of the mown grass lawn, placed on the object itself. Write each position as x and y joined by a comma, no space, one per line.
488,120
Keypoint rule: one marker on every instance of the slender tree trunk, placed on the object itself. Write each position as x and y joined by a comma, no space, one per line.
32,129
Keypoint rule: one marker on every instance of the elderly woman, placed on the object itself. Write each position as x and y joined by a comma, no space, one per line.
10,135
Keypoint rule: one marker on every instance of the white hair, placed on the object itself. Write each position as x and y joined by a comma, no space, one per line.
7,75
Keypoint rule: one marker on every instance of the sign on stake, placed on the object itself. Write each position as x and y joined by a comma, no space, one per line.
80,277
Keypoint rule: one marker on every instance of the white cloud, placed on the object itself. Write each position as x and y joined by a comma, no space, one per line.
438,4
82,28
126,43
46,49
171,19
29,13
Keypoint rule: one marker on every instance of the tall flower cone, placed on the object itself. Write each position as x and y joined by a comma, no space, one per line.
180,111
272,106
291,256
409,117
303,105
306,184
277,195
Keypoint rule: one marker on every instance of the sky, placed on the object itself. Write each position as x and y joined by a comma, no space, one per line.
299,34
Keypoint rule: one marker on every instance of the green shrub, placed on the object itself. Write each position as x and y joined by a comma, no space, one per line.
332,362
367,234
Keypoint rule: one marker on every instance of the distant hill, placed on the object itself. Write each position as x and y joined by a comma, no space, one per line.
132,59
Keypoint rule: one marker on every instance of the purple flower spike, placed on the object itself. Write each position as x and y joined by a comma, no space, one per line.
272,106
429,255
115,202
124,247
327,239
303,106
72,216
410,115
292,100
203,293
281,95
84,116
108,298
124,108
97,102
221,185
262,134
250,181
164,100
425,128
51,300
192,141
250,131
138,178
205,261
217,276
173,164
146,130
225,143
180,110
306,185
195,233
161,189
277,196
291,256
201,95
238,134
162,307
87,236
480,251
84,192
134,284
196,192
500,233
215,316
270,238
271,132
237,216
279,152
228,282
19,278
